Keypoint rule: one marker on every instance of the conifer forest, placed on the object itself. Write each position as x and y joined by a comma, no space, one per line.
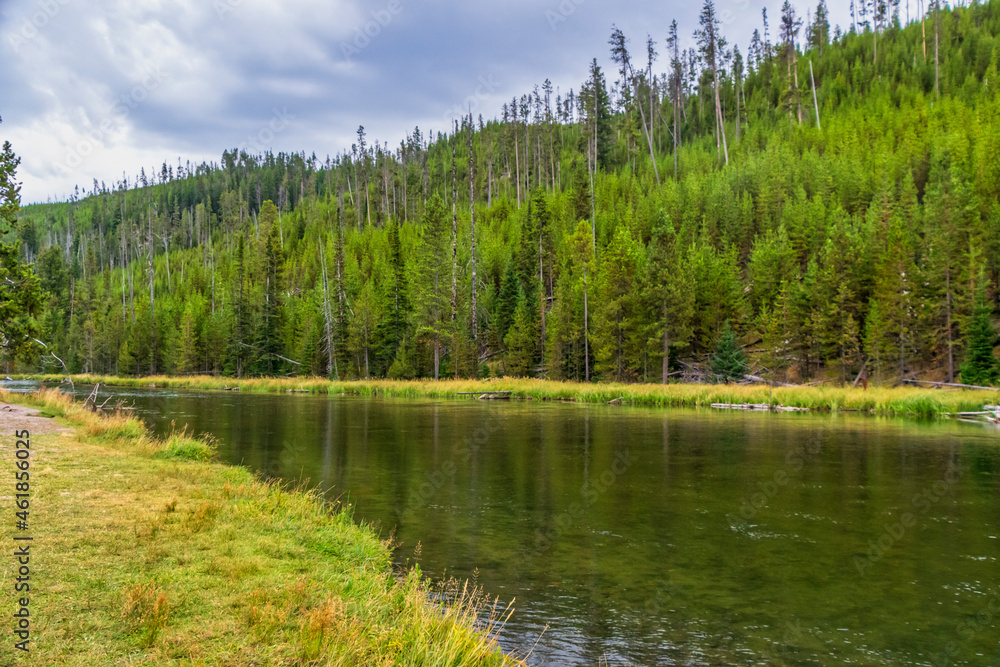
826,197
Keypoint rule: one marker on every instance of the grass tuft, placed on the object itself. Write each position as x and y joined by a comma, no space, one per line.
187,449
145,611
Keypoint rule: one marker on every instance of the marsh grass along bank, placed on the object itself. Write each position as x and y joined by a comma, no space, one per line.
902,401
148,552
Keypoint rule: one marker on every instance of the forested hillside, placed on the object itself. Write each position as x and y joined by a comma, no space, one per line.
847,211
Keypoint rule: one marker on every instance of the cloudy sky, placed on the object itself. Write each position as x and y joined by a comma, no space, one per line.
97,88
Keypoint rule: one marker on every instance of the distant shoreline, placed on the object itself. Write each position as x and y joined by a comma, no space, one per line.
887,401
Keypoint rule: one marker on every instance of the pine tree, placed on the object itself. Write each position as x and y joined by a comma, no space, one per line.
790,26
675,81
819,33
238,357
981,366
268,342
431,305
521,340
712,46
615,305
728,363
393,331
20,291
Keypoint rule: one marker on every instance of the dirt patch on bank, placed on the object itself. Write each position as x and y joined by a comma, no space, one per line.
15,418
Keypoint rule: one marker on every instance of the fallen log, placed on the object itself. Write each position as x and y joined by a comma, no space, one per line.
951,384
757,407
487,395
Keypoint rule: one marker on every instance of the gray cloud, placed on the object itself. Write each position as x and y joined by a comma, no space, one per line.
96,89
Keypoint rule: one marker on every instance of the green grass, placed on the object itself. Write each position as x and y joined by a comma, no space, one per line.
146,552
899,401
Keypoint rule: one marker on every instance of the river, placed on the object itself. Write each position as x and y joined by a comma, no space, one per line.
633,536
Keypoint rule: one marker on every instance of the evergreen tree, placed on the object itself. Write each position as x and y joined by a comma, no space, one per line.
20,292
728,363
615,306
819,31
268,342
432,305
393,332
521,342
981,366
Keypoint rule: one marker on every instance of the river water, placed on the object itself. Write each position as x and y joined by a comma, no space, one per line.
631,536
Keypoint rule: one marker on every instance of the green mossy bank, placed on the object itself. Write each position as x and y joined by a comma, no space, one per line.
145,551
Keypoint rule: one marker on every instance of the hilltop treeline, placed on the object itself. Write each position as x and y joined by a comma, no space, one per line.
605,233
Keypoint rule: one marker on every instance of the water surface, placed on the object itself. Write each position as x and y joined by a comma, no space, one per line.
647,537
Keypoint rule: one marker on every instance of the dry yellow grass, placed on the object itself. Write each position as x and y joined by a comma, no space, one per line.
904,401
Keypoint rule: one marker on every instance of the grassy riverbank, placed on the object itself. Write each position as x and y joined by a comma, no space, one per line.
147,552
902,401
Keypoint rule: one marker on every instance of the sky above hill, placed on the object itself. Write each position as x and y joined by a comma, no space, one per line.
98,89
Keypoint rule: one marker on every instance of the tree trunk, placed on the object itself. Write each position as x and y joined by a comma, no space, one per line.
875,37
951,352
454,231
647,131
152,302
586,328
593,195
937,42
923,32
331,359
718,111
542,292
815,98
437,323
677,124
166,256
472,219
798,97
517,163
736,89
666,348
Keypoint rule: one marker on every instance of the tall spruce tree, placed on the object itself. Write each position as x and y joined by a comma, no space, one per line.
20,291
729,362
981,366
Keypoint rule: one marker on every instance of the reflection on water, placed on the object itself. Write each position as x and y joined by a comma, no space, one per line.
658,537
